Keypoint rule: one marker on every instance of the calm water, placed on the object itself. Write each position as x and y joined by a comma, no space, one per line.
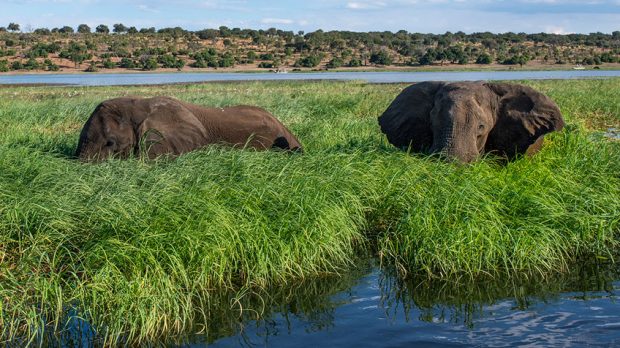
372,309
372,77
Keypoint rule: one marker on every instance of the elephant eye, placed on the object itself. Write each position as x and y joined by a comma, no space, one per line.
481,127
109,143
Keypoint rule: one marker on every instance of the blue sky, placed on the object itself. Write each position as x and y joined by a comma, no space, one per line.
426,16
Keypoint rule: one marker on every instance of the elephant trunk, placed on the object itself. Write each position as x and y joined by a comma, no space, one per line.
452,145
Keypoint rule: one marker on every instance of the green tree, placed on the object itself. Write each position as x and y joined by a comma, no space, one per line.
381,58
309,61
83,29
4,66
42,31
51,66
484,58
148,63
119,28
102,29
355,62
127,63
108,64
13,27
132,30
17,65
66,30
336,62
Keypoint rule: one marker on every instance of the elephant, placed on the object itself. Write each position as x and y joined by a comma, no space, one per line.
157,126
462,120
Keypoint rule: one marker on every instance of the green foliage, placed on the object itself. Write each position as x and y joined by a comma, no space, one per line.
17,65
42,31
50,66
127,63
381,57
355,62
83,29
66,30
148,63
516,59
170,61
102,29
227,60
108,64
13,27
119,28
484,58
32,64
336,62
309,61
266,65
92,67
4,65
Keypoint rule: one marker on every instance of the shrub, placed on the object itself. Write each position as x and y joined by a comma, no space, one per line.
381,58
17,65
92,67
32,64
484,58
335,63
309,61
355,62
266,65
148,63
108,64
127,63
4,66
51,66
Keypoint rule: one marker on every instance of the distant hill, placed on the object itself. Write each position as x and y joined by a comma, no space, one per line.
128,48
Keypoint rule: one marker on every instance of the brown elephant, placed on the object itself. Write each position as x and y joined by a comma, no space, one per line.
161,125
465,119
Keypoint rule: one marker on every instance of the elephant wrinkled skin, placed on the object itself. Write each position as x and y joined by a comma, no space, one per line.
161,125
465,119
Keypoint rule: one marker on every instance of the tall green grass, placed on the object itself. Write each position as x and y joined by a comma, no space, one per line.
141,248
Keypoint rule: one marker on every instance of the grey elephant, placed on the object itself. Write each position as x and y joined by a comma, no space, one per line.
122,127
462,120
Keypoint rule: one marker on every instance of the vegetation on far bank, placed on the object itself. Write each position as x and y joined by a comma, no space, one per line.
139,249
121,47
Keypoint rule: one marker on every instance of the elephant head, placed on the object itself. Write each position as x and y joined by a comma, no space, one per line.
465,119
125,126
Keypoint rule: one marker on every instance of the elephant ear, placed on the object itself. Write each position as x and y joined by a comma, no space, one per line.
406,121
524,116
169,128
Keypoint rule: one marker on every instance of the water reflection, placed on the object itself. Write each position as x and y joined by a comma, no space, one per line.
381,310
371,307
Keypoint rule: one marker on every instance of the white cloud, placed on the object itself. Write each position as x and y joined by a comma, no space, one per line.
147,8
276,21
365,5
556,30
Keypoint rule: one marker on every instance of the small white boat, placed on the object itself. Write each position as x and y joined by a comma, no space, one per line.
579,67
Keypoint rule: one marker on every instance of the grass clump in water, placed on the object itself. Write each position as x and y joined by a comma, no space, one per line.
139,248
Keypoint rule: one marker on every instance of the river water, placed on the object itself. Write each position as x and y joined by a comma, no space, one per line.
371,77
374,309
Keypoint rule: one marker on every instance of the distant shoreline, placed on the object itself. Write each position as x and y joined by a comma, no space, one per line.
254,70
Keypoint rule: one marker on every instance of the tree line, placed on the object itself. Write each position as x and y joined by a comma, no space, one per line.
128,47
